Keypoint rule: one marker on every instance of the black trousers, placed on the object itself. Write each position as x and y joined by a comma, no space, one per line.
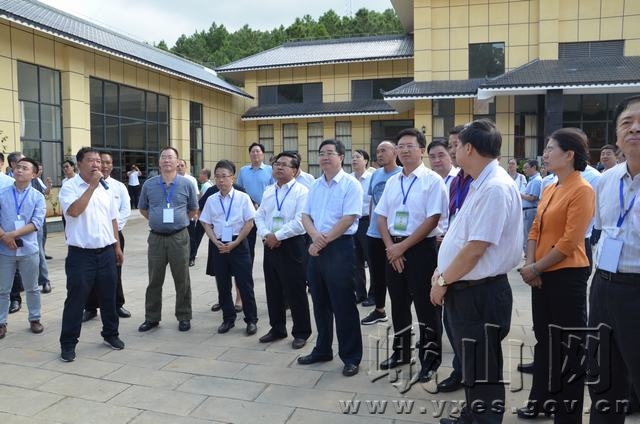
196,233
613,306
16,288
481,316
85,269
251,240
92,300
414,285
238,264
285,283
361,256
377,271
559,310
134,194
331,283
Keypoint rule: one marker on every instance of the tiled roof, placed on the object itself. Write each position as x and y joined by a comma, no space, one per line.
314,110
572,75
435,89
53,21
341,50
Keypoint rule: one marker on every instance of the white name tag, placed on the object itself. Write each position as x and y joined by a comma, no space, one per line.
167,215
18,223
610,254
227,234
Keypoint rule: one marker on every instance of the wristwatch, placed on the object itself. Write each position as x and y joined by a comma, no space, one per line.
441,281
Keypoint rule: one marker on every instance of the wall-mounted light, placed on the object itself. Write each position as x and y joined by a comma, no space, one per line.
424,130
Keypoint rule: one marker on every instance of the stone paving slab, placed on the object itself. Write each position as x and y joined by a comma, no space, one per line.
165,376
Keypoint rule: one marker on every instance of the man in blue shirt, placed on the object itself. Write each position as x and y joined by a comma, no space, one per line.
530,196
21,215
255,178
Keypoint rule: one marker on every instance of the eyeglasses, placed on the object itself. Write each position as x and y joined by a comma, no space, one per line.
328,154
281,165
163,157
407,146
222,177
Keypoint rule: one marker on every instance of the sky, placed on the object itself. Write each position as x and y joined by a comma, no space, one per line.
155,20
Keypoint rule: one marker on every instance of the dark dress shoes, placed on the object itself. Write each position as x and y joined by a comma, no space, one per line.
526,368
46,287
529,412
192,262
252,329
312,358
426,375
184,325
298,343
123,313
36,326
270,337
14,306
88,315
226,326
68,354
349,370
393,361
215,307
147,325
47,257
450,384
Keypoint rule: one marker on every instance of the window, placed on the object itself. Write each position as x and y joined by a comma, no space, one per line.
527,126
386,130
265,137
290,94
290,137
443,117
315,134
486,60
591,49
195,137
41,117
132,124
372,88
343,133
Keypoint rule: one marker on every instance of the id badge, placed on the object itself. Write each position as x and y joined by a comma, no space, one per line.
227,234
401,221
167,215
610,254
18,223
278,223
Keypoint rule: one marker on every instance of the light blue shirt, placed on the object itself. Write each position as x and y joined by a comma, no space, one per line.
255,181
31,203
365,181
534,188
376,187
328,202
5,180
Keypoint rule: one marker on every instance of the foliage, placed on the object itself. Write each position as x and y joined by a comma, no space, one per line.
218,46
3,141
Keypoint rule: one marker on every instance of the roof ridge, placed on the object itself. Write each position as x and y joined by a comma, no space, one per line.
347,39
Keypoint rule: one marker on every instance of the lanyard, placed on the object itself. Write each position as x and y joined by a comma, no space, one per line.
465,190
15,199
446,180
169,195
405,195
228,212
622,216
279,204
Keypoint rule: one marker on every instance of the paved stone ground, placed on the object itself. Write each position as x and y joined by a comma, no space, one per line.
166,376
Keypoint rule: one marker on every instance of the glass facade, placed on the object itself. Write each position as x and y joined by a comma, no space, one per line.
41,117
195,138
131,123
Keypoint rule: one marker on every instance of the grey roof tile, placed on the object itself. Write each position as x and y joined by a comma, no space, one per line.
349,108
570,72
435,89
340,50
54,21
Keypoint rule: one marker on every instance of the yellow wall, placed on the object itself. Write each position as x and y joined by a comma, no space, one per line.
77,64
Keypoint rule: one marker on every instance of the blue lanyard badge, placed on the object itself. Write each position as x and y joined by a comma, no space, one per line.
623,213
168,212
279,204
446,180
227,230
405,195
15,200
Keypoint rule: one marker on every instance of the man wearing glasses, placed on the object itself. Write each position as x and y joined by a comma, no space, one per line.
279,223
169,201
330,217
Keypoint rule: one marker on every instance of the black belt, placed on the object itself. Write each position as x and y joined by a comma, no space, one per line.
532,207
398,239
168,234
619,277
465,284
93,251
364,218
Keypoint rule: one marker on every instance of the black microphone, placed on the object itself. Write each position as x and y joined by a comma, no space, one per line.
104,183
